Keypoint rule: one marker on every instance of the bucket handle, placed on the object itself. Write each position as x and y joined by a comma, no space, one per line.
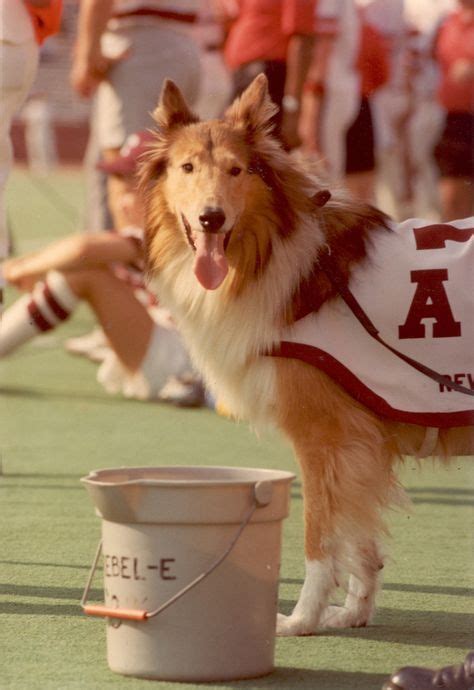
262,494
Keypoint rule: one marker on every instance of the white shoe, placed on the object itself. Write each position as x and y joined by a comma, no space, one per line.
93,345
183,391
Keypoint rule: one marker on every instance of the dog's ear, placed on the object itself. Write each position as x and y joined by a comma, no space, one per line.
172,110
254,109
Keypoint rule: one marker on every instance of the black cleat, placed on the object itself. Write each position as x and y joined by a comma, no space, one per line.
460,677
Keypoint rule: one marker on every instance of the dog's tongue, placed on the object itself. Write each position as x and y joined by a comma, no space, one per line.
210,264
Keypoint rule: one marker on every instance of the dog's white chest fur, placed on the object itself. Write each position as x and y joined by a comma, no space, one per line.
224,344
228,337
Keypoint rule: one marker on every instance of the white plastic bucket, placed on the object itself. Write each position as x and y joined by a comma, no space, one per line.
191,560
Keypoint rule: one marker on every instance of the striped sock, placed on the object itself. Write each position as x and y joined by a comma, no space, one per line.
50,303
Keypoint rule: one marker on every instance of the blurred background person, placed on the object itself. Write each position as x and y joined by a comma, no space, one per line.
215,81
124,51
348,64
389,101
331,92
259,35
24,25
454,50
39,134
419,127
361,138
408,119
143,355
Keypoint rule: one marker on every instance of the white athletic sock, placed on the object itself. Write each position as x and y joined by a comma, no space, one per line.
50,303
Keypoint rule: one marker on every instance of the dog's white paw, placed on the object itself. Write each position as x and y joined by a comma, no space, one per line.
342,617
292,626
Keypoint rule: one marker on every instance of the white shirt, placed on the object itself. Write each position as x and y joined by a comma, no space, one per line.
340,18
15,22
425,15
386,15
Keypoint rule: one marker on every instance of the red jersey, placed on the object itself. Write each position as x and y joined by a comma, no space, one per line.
46,20
455,45
373,60
263,28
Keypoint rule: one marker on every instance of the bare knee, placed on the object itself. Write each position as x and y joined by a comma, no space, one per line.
83,283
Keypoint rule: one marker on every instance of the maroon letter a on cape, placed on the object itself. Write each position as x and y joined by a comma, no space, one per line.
430,302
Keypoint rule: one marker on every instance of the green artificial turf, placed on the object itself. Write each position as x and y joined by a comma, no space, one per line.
58,424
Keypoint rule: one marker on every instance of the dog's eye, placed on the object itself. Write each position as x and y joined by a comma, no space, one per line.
235,170
188,167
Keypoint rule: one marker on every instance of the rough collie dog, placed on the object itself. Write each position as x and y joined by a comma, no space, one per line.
246,254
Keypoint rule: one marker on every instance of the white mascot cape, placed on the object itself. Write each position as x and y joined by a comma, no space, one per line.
416,287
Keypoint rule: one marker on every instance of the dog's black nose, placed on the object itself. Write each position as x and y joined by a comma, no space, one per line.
212,219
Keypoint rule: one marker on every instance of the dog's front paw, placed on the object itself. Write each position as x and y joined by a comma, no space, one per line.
292,626
342,617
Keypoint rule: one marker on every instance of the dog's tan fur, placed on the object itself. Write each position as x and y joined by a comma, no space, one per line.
276,232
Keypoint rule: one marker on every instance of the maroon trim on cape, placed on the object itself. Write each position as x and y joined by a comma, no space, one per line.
362,394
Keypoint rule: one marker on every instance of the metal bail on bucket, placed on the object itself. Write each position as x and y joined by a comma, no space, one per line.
191,562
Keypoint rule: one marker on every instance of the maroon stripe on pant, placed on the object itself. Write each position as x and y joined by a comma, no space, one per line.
54,305
187,17
37,317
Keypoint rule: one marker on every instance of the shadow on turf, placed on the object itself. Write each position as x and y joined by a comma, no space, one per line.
47,565
49,592
441,496
413,627
429,589
73,593
48,394
41,475
436,490
408,626
455,502
14,608
285,677
396,587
